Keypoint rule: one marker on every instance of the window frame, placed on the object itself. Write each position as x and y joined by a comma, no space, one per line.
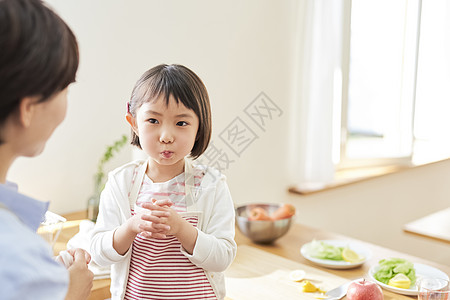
341,138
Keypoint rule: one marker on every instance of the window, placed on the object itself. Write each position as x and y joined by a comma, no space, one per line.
432,122
395,78
373,89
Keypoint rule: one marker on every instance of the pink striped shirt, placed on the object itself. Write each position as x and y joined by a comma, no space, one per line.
158,268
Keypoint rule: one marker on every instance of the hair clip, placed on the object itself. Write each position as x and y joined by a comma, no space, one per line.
128,107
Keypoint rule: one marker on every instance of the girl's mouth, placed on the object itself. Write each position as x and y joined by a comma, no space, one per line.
167,154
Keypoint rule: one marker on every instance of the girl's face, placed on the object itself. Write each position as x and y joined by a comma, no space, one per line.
166,132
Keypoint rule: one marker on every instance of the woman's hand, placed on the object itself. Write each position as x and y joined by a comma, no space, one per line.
80,277
67,257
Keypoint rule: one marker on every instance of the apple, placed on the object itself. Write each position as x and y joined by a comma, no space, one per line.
364,290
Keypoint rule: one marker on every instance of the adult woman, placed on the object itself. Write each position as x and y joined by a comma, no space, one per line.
38,60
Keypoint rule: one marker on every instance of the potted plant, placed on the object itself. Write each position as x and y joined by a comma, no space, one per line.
99,177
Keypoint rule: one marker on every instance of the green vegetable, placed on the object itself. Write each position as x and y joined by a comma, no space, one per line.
322,250
388,268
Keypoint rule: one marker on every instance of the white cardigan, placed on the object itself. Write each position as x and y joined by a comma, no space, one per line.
215,247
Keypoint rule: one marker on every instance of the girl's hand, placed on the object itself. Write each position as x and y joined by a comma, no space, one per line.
168,216
162,203
152,221
184,231
154,234
174,221
148,223
154,228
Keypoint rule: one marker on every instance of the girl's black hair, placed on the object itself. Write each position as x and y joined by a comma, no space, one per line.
186,87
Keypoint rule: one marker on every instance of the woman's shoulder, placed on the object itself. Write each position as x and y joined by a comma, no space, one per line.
29,244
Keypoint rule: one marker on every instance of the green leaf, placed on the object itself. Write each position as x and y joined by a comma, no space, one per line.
322,250
388,268
107,155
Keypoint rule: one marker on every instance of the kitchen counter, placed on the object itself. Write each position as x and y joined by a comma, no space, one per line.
284,251
435,226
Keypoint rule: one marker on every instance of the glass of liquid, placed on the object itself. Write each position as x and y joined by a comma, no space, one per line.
51,227
434,289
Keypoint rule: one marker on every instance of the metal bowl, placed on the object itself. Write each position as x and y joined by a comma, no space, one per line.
263,232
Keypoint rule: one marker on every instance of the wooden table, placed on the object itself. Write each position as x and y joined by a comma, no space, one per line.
100,289
435,226
287,246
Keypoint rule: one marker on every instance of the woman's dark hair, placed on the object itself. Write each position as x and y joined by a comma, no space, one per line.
186,87
38,53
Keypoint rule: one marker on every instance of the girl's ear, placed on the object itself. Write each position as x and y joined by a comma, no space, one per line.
26,110
132,121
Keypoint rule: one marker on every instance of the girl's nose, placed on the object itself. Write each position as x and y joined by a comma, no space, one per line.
166,136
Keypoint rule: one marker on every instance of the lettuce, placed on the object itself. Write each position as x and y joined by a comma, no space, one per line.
322,250
388,268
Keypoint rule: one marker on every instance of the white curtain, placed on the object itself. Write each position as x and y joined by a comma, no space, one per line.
317,89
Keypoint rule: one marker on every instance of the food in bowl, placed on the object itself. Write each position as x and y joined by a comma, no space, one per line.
264,230
258,214
282,212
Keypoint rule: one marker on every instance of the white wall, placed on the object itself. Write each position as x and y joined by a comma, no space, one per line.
239,49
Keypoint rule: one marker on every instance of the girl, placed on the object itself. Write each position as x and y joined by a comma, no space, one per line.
165,224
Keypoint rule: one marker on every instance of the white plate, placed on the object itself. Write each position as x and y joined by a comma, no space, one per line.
338,264
421,271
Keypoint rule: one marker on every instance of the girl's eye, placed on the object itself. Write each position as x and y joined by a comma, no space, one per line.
182,123
153,121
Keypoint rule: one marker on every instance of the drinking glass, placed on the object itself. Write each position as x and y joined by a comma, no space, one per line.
51,227
434,289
